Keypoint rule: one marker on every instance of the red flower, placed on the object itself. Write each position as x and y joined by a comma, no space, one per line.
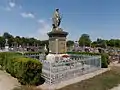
65,56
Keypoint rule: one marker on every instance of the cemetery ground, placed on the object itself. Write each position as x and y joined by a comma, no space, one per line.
103,81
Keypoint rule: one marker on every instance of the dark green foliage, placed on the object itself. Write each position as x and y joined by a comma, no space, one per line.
26,70
84,53
2,41
70,43
104,43
32,52
104,60
104,57
84,40
17,40
100,43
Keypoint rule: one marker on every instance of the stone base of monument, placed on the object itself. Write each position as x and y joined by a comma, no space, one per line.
57,41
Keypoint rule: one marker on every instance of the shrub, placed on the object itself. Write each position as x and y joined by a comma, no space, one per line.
32,53
26,70
104,60
84,53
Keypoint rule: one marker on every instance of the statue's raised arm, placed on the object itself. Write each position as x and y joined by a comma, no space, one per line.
56,19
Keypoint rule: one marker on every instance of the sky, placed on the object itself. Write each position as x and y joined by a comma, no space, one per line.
32,18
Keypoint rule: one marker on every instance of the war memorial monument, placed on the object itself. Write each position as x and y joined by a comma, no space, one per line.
57,37
59,66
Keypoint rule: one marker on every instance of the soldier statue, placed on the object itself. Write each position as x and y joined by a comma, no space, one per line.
56,19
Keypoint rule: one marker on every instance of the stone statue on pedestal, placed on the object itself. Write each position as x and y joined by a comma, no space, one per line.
57,33
56,19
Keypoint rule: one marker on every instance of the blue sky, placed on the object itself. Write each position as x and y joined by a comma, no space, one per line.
32,18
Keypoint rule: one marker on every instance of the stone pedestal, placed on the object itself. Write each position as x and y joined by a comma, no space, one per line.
57,41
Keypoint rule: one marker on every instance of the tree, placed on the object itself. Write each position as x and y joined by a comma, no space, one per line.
94,44
101,43
10,41
18,40
114,43
7,35
44,42
84,40
2,41
32,41
70,43
111,42
10,38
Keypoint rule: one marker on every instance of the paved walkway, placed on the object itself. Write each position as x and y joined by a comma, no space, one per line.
7,82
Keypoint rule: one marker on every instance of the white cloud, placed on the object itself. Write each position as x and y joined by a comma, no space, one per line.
41,32
41,21
11,4
43,29
27,15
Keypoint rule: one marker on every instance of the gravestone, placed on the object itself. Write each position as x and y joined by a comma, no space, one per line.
6,45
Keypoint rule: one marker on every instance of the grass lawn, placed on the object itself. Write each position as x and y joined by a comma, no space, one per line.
103,81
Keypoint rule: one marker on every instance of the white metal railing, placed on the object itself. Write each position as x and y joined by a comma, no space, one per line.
61,70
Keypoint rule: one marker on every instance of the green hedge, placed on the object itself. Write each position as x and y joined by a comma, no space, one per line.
26,70
84,53
32,53
104,60
104,57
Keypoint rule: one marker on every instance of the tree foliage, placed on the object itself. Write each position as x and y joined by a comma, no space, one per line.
2,41
23,41
100,43
70,43
106,43
84,40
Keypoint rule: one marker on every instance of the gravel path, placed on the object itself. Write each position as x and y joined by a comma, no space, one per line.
7,82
